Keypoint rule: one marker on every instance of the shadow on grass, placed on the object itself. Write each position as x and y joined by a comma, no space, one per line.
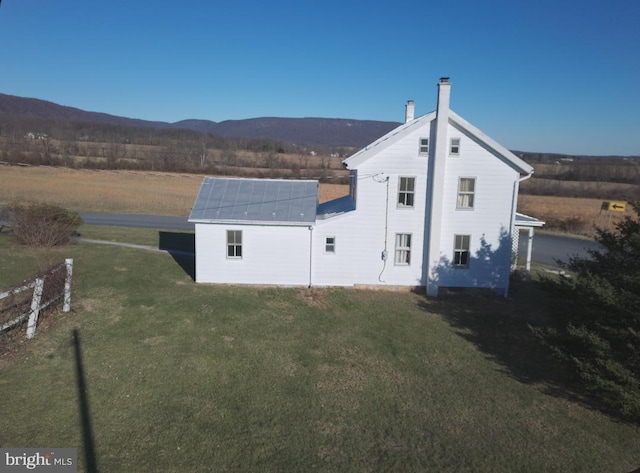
182,248
502,330
83,402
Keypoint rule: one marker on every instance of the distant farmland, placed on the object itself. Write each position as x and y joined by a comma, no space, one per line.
573,207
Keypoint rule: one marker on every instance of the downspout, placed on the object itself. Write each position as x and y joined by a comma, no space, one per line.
514,199
530,233
385,253
310,252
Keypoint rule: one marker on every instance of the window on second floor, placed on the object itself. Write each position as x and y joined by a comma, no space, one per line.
406,191
466,192
454,147
424,147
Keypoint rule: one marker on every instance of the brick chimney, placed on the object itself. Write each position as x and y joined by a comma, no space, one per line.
409,111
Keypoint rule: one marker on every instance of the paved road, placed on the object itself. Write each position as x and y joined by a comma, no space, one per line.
161,222
546,248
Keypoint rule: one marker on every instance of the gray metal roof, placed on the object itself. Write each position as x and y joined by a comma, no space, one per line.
334,207
268,201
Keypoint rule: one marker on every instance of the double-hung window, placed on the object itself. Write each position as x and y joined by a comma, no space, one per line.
424,147
461,251
403,249
466,192
406,191
454,147
330,244
234,244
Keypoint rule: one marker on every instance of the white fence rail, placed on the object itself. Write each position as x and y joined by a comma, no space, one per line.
41,298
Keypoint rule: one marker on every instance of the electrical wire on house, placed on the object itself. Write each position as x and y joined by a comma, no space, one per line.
378,177
386,227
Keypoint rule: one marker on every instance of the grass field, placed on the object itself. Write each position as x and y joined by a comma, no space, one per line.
184,377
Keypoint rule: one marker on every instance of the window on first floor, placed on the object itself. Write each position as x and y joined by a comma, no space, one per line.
234,243
403,249
330,244
461,253
466,192
406,191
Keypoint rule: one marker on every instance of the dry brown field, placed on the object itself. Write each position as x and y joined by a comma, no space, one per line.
113,191
575,215
173,194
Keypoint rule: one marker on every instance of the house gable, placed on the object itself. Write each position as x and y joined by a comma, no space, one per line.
455,120
391,138
488,143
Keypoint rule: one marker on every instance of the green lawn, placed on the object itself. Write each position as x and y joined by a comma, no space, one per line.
185,378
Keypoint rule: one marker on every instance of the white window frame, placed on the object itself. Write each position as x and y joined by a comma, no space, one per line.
406,195
466,198
461,251
402,255
330,247
423,146
233,245
454,146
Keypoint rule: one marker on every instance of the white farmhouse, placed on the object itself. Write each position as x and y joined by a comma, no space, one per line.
432,203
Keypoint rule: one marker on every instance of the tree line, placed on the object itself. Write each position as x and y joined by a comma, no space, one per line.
108,146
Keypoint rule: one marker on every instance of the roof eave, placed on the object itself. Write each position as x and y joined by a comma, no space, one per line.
527,221
253,222
384,141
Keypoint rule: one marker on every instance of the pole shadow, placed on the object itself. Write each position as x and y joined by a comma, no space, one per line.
182,248
85,415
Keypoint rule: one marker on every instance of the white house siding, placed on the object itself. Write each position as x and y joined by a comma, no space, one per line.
271,254
488,223
360,234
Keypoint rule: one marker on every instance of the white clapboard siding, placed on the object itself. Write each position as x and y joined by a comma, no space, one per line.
360,235
271,254
489,223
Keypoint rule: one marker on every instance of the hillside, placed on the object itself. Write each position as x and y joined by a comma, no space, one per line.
326,132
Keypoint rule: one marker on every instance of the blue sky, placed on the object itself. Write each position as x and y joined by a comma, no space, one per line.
538,75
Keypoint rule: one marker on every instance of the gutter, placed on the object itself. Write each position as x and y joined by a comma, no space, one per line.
526,177
251,222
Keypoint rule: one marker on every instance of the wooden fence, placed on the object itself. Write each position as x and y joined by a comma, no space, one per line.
48,288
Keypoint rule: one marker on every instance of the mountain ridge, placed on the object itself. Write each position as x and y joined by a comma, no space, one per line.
308,131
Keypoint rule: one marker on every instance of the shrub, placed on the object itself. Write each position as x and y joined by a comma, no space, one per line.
597,318
40,224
